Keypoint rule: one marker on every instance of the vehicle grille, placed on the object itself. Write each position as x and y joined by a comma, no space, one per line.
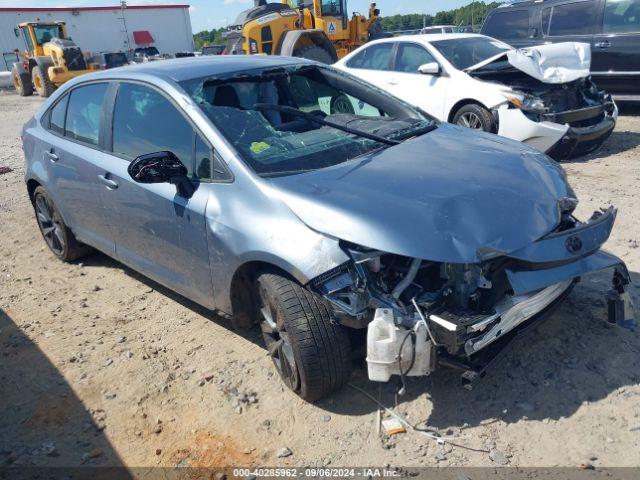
74,59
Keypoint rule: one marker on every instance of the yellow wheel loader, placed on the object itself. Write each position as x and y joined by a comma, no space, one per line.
50,59
320,30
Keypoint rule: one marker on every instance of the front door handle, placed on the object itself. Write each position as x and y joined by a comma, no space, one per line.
392,82
110,184
605,44
51,156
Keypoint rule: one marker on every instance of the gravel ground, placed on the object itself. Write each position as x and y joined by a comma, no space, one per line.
101,366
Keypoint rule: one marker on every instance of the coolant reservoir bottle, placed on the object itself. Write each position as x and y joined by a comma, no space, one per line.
384,339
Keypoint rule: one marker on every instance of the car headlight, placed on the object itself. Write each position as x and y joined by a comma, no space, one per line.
526,102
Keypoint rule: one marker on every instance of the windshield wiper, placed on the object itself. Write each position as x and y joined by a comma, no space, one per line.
320,121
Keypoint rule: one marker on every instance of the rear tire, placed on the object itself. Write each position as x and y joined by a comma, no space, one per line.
22,83
42,83
315,52
58,237
475,117
311,352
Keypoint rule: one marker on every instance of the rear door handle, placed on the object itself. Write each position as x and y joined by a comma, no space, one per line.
51,156
605,44
110,184
392,82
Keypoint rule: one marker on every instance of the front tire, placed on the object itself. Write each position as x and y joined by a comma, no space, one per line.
311,352
22,83
41,81
476,117
58,237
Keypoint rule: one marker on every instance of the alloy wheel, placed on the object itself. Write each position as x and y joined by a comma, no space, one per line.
50,225
277,341
470,120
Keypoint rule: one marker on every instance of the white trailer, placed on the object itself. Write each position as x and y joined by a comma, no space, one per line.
100,29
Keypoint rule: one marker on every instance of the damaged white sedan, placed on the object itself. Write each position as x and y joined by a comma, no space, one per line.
542,96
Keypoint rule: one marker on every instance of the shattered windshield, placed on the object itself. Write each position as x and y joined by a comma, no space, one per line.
466,52
294,119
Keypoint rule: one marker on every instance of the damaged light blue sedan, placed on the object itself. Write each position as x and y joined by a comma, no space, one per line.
283,192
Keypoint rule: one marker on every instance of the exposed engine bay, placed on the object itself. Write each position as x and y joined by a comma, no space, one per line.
551,83
420,312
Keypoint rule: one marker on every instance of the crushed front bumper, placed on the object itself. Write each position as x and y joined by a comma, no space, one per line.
561,135
540,276
579,141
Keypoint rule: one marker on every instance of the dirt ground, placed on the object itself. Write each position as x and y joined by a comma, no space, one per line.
101,366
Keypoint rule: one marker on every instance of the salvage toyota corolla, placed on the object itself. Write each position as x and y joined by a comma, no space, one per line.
242,184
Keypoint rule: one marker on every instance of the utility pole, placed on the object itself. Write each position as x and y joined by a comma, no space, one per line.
123,7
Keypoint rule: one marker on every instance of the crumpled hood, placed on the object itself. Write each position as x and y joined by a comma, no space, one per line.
451,195
554,63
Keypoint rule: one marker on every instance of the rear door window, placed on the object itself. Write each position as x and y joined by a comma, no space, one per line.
375,57
410,57
571,19
507,25
145,121
621,16
84,113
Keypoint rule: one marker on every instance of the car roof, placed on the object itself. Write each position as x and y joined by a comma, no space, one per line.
187,68
431,37
520,3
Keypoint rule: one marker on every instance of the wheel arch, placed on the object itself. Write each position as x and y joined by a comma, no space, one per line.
32,184
472,101
242,299
295,39
461,103
44,63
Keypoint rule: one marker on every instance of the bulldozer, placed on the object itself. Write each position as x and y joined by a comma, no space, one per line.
319,30
50,59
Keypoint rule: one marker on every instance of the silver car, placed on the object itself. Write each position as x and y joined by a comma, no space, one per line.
283,192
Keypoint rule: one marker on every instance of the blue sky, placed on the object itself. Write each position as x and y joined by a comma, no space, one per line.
208,14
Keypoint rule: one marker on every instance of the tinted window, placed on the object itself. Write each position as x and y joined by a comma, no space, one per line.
465,52
410,57
507,24
204,166
332,8
9,59
203,159
621,16
572,19
115,59
375,57
144,121
546,16
84,113
57,114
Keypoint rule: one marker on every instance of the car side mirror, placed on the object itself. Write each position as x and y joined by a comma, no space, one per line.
162,167
431,68
16,32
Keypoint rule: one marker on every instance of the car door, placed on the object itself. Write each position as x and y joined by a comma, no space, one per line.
157,231
572,21
406,82
373,63
73,151
615,52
